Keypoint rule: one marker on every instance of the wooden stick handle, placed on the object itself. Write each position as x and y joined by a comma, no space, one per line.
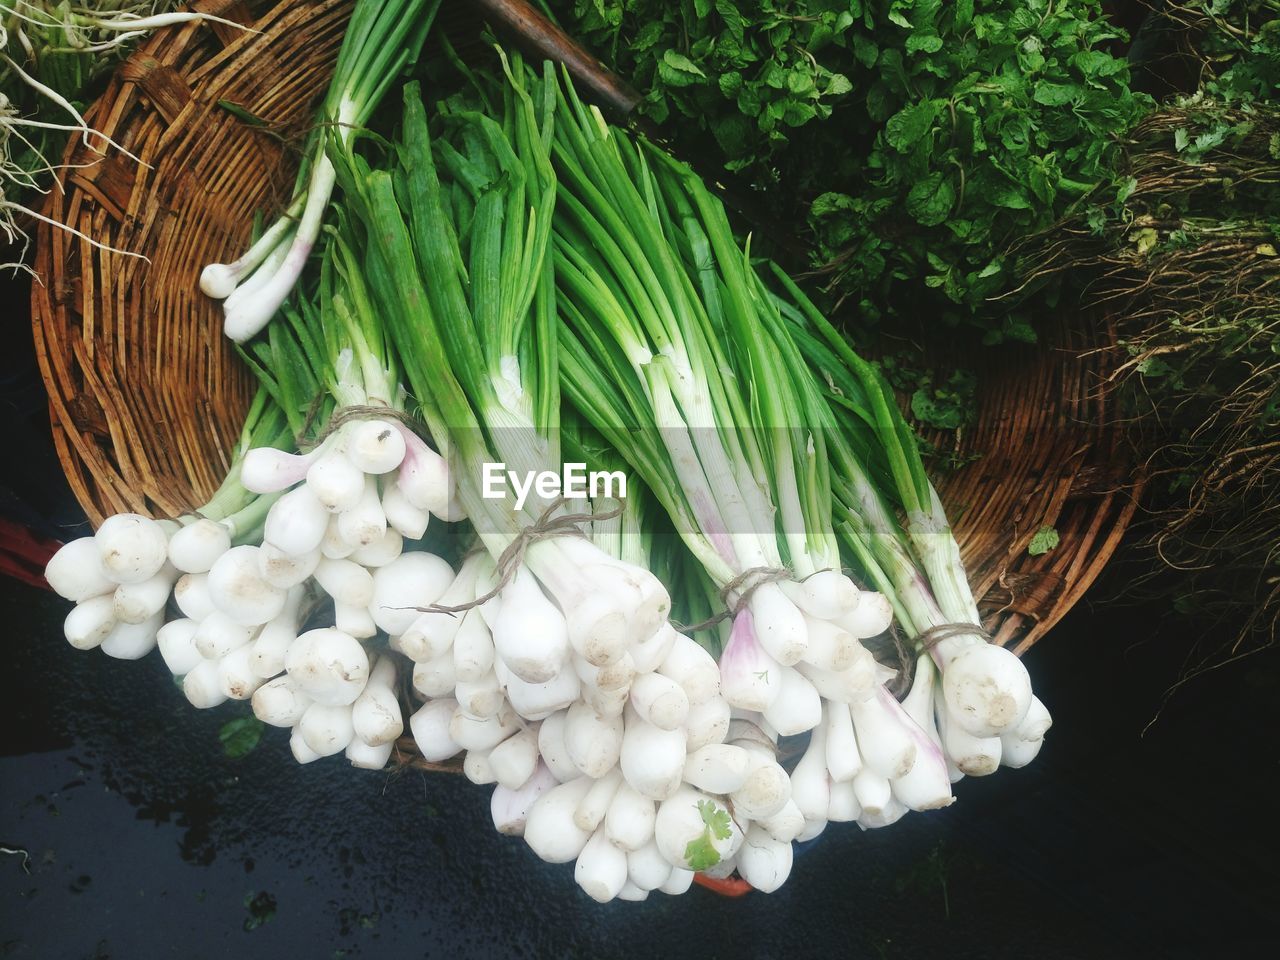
542,38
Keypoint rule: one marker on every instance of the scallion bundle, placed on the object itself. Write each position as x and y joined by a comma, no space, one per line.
288,579
530,288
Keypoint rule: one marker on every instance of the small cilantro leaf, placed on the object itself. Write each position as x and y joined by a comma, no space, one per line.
701,853
717,820
1044,540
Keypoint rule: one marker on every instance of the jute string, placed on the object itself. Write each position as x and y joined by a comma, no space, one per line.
744,585
924,642
509,561
355,411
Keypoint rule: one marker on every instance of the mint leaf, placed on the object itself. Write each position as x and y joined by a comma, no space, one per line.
838,84
946,406
680,62
1153,367
1021,103
677,70
1044,540
906,127
923,44
930,200
1008,195
1056,94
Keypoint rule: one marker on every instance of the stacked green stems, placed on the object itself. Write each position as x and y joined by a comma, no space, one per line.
653,288
785,399
415,324
383,39
240,510
456,242
932,546
613,261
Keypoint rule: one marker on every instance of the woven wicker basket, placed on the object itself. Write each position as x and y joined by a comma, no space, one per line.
146,396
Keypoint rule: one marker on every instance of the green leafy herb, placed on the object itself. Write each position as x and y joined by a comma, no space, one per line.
914,138
1182,256
1044,540
240,736
701,852
942,403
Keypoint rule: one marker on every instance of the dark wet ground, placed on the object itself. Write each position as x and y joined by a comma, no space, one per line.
144,841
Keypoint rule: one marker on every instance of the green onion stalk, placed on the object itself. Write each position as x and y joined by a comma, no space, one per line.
382,40
639,236
986,712
456,240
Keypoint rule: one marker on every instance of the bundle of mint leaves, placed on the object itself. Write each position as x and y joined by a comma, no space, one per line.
906,141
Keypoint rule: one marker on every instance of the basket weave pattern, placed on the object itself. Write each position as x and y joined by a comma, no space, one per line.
146,396
145,392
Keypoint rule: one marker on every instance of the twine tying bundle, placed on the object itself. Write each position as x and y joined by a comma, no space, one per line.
928,639
748,582
508,564
924,642
744,585
355,411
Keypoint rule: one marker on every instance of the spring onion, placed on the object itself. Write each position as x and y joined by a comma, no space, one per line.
382,40
513,283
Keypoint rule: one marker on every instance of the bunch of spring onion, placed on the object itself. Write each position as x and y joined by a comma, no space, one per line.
669,328
355,504
723,442
121,578
985,714
382,40
461,281
553,671
285,578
